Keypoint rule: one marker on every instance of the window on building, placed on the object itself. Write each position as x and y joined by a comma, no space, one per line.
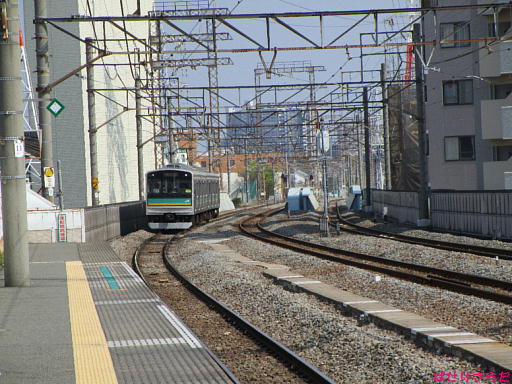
231,163
501,91
458,92
503,27
459,148
203,164
457,32
217,163
502,153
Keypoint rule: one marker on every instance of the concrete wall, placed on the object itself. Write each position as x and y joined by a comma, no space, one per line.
43,225
109,221
396,205
481,213
486,213
90,224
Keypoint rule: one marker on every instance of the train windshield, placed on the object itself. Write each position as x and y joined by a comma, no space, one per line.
169,184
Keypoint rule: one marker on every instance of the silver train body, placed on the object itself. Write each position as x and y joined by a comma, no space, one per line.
179,196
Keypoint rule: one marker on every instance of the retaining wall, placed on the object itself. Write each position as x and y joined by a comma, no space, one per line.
482,213
485,213
400,206
86,224
108,221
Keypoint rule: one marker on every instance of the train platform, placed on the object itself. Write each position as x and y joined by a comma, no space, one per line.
88,318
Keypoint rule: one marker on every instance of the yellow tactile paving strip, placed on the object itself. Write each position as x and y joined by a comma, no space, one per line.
93,363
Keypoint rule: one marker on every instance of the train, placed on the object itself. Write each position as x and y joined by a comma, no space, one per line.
179,196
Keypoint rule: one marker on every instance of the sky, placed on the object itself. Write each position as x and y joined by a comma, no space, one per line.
334,61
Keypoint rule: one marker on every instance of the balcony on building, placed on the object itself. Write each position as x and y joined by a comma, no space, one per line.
483,2
498,175
497,114
496,60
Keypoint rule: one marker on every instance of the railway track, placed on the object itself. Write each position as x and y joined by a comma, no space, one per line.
487,288
351,227
151,261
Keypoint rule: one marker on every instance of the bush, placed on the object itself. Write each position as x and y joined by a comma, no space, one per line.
237,202
1,258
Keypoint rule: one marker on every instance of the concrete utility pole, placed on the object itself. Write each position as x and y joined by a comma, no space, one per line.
359,173
12,153
246,176
420,113
229,174
367,157
43,94
385,123
91,103
140,149
324,220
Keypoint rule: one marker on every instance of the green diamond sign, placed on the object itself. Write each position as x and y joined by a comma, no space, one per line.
55,107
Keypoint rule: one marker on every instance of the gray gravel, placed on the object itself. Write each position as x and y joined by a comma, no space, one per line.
126,246
306,227
317,331
469,313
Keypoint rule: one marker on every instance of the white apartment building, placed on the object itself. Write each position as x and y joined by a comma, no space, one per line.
117,151
468,97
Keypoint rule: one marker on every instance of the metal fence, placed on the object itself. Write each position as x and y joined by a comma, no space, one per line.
106,222
401,206
485,213
482,213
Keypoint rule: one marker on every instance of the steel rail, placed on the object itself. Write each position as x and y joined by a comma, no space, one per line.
450,280
136,267
273,346
439,244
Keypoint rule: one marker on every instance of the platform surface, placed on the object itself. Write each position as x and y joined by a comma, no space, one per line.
88,318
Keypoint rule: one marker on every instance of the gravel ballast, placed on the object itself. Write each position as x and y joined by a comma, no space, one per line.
345,350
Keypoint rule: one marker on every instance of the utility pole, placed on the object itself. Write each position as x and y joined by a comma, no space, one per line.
91,104
367,157
43,94
229,174
246,176
385,123
140,149
12,151
420,113
359,173
324,220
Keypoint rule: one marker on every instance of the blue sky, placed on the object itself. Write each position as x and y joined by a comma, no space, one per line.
243,70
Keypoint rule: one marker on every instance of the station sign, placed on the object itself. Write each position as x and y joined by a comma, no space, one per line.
62,235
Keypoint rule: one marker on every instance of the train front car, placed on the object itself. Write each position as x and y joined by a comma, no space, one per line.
169,201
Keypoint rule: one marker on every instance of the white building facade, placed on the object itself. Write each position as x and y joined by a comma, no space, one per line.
116,140
468,104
